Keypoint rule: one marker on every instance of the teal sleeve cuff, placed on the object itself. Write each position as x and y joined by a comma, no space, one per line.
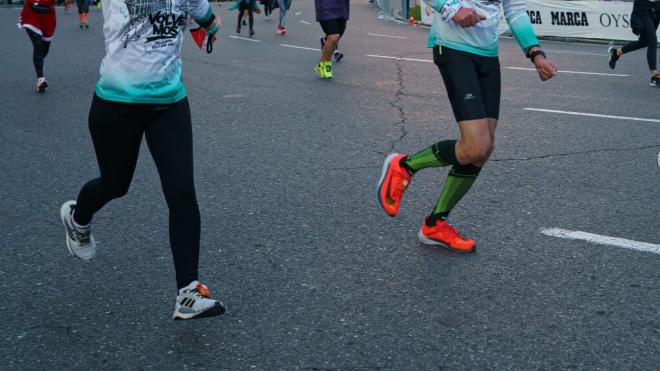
522,30
436,4
213,29
206,18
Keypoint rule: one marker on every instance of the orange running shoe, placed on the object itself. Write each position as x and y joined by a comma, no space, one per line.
444,234
392,184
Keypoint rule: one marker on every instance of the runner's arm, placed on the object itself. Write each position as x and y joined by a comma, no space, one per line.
201,12
518,20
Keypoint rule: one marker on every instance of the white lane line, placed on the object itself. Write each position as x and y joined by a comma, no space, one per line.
592,115
579,53
571,72
245,39
603,240
304,22
298,13
300,47
391,37
400,59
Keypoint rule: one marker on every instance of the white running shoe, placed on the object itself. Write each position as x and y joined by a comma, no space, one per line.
42,84
193,302
79,240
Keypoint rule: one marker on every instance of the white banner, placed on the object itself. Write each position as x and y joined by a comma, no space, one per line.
608,20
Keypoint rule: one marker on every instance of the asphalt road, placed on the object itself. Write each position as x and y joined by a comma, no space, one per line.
313,273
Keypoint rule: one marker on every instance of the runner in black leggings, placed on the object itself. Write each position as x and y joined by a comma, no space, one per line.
249,6
137,97
117,130
644,22
39,20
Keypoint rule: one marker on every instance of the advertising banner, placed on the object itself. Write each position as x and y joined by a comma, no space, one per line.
608,20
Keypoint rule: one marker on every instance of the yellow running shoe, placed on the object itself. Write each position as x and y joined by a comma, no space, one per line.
320,70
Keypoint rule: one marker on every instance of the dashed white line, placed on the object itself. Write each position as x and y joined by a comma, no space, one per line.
245,39
391,37
298,13
578,53
304,22
399,58
593,115
300,47
570,72
602,240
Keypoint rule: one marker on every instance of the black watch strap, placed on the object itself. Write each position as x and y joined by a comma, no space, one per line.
534,54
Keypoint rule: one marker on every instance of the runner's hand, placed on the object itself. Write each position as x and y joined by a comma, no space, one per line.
214,36
467,17
545,68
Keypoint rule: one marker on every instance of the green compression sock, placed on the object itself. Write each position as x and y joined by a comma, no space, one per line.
458,183
438,155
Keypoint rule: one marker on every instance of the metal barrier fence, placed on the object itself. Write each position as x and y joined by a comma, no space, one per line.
394,9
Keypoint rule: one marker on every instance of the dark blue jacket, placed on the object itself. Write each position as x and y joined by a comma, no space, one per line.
331,9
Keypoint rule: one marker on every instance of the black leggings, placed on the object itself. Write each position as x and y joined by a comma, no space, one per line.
249,6
83,6
117,130
40,49
646,27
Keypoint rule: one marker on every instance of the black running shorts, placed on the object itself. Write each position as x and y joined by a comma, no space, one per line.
473,83
333,26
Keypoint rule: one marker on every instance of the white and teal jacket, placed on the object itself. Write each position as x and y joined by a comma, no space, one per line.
482,38
142,62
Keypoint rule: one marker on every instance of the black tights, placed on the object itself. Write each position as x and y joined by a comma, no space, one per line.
40,49
647,38
250,8
117,130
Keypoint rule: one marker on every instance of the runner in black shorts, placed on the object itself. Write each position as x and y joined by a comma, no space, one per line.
467,57
332,15
472,95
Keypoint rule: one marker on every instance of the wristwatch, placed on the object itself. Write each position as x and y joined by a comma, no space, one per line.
534,54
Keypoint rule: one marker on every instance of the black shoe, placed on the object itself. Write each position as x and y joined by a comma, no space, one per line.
613,57
244,23
251,33
655,81
238,28
338,56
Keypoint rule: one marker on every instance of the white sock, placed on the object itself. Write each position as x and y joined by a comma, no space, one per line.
76,224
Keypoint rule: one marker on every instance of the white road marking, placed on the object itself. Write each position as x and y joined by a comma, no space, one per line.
603,240
593,115
399,58
233,96
304,22
245,39
391,37
298,13
579,53
570,72
300,47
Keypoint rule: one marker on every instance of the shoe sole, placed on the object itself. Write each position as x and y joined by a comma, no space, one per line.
431,242
609,52
63,215
217,310
386,169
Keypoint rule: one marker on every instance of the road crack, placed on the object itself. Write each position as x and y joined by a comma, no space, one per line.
563,154
398,105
